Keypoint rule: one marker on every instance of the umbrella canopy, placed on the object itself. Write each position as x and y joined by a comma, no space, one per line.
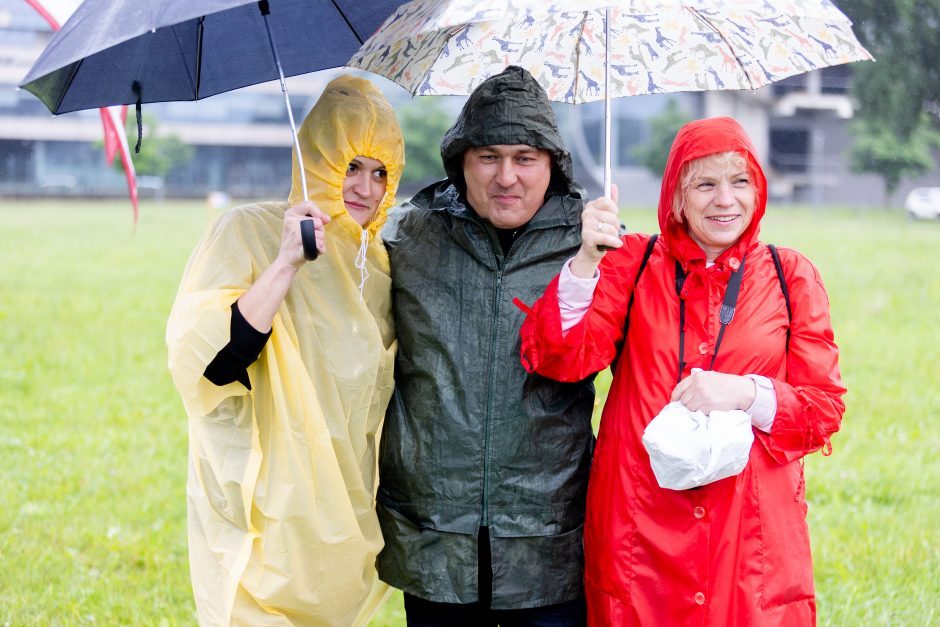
655,46
583,50
174,50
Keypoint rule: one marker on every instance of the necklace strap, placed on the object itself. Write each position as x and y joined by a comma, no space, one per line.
725,314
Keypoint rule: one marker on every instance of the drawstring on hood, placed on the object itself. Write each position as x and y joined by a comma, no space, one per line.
361,261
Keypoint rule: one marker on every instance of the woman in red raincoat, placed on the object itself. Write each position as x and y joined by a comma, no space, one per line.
736,551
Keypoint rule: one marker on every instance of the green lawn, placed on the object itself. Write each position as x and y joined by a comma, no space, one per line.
93,437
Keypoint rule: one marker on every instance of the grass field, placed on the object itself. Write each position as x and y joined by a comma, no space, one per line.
93,436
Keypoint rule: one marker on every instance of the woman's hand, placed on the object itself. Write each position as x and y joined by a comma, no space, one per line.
262,300
600,226
707,390
292,250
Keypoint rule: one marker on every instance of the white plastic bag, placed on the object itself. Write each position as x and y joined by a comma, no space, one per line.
688,449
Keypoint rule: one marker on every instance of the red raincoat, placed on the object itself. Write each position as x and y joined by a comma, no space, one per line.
734,552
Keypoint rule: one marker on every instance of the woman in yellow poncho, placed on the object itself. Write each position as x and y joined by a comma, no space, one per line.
285,370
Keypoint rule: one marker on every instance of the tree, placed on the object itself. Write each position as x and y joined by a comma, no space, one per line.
158,153
899,95
663,128
423,122
877,149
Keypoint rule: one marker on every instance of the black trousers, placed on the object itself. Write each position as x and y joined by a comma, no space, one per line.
423,613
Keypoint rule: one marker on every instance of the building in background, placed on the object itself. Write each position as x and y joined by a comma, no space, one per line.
242,145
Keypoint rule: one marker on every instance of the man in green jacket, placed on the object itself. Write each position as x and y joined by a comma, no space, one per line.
483,469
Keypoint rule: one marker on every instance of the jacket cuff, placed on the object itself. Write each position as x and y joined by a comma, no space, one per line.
574,296
764,408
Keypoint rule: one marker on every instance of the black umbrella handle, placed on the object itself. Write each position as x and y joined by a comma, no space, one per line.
308,237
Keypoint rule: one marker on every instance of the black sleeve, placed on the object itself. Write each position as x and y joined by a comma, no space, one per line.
231,364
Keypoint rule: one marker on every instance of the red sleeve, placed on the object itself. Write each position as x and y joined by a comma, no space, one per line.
809,401
591,345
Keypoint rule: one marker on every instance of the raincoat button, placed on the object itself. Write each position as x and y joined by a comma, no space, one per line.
699,512
700,598
733,263
703,348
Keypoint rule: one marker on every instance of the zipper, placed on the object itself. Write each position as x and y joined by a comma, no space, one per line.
490,401
491,374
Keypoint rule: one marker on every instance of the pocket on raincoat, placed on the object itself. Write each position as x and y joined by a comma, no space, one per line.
786,564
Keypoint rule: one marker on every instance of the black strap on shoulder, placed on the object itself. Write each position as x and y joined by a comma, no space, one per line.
636,281
783,286
725,315
646,257
680,281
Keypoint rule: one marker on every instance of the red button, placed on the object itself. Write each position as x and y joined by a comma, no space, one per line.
700,598
703,348
699,512
734,263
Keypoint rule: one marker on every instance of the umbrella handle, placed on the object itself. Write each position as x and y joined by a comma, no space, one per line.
308,237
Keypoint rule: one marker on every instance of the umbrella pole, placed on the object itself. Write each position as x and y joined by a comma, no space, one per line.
607,103
263,5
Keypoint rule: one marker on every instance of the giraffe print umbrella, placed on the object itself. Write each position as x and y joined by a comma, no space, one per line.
585,50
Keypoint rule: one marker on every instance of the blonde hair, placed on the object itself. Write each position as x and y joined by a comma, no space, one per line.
691,170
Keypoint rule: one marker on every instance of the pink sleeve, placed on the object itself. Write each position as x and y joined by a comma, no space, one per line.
574,296
590,345
764,407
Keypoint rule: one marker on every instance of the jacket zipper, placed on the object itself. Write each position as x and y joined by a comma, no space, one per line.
491,397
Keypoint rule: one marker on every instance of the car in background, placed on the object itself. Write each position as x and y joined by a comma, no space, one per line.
923,203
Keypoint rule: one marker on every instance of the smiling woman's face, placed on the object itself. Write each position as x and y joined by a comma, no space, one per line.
719,200
364,188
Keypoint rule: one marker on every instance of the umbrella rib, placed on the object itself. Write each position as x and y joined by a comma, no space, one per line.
577,59
179,48
58,103
202,21
346,19
726,42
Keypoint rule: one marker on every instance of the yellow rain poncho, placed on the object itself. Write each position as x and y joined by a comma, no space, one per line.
282,477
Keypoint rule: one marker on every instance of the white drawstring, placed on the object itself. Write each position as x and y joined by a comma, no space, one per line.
361,261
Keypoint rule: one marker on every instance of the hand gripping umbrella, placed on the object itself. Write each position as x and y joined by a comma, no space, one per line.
113,52
584,50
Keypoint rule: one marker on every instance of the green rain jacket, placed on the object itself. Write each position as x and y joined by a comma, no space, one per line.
470,439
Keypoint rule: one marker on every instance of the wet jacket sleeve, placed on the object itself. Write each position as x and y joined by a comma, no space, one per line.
244,347
809,403
593,343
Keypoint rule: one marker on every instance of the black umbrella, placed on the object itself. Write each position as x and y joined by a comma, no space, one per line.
191,49
113,52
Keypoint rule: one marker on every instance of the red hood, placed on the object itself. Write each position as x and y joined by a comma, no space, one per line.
699,139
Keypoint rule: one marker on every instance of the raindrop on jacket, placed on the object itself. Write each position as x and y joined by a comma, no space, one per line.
282,477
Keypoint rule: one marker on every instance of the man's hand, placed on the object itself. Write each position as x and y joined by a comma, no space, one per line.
600,226
292,250
706,390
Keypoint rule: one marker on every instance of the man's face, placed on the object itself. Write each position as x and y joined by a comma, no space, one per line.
506,184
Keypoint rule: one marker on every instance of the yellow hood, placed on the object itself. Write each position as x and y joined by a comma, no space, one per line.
352,118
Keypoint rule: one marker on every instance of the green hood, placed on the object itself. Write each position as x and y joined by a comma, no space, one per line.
509,108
